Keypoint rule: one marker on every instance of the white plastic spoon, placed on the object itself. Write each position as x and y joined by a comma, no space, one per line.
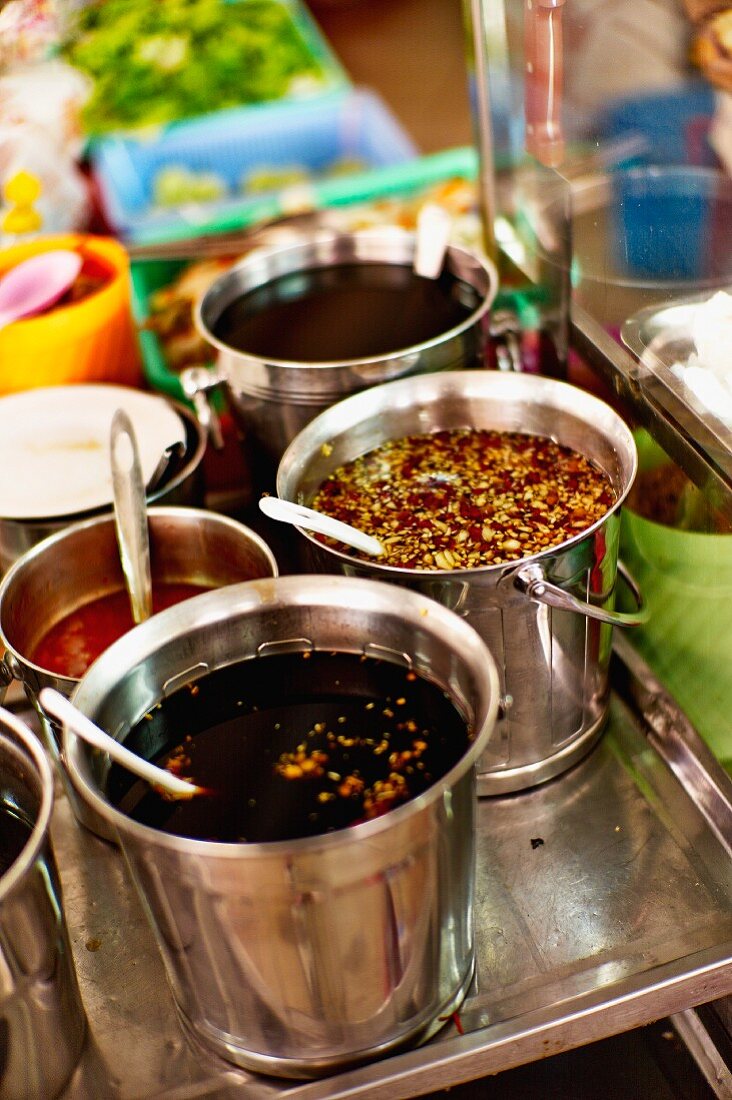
64,710
36,283
310,520
434,224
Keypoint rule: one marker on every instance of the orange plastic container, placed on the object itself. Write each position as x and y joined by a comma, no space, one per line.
92,340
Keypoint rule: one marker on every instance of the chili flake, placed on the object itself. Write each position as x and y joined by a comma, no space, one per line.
466,498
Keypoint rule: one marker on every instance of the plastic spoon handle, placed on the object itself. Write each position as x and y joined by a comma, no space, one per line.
64,710
130,515
433,236
310,520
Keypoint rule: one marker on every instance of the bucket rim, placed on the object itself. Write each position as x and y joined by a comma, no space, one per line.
265,595
47,546
11,879
428,389
246,359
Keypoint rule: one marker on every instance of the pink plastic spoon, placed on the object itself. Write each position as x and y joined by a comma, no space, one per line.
37,283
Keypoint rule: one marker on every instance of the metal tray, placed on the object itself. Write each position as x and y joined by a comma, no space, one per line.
660,336
604,902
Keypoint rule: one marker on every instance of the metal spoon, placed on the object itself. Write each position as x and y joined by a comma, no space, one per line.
310,520
433,236
64,710
130,515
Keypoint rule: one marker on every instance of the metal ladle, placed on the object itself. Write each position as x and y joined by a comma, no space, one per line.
310,520
53,702
130,515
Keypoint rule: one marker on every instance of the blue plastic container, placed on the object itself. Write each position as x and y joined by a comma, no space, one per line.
674,123
317,136
668,222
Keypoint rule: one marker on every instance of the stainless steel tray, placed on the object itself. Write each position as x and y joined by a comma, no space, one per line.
604,901
660,336
684,433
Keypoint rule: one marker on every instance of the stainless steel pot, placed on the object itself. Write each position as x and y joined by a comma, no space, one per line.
81,563
42,1022
181,484
298,957
546,619
273,399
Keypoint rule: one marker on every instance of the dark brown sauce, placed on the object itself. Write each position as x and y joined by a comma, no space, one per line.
246,731
348,311
15,831
73,643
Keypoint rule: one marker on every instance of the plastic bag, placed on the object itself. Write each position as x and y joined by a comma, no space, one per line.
40,134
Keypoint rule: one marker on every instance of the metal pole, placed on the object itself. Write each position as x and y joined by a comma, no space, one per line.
481,101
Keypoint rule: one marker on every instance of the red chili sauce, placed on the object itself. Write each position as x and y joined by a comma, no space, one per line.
79,638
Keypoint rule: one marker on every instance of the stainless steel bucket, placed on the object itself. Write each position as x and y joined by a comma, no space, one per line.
182,485
81,563
274,399
546,619
298,957
42,1022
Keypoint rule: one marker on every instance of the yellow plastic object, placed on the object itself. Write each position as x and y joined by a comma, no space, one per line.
21,192
93,340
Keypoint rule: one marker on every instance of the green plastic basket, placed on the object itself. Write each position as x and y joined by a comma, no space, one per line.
686,581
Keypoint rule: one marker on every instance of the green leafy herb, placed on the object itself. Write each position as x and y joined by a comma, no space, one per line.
155,61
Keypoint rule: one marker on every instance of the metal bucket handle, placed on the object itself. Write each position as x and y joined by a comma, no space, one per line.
533,582
198,384
12,669
6,678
